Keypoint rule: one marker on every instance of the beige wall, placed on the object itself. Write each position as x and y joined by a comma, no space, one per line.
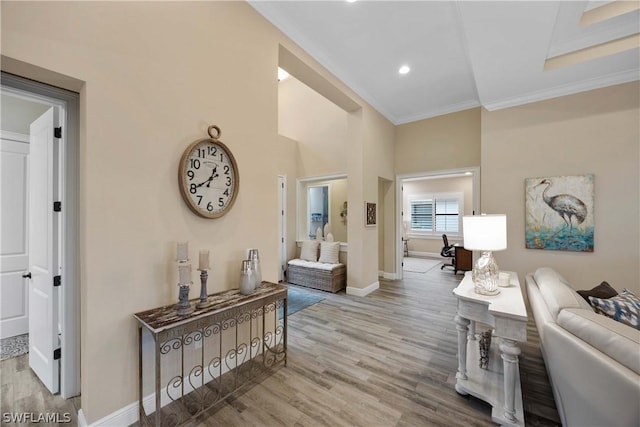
464,184
592,132
447,142
152,76
319,126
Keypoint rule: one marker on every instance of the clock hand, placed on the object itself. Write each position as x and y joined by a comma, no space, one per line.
208,180
214,174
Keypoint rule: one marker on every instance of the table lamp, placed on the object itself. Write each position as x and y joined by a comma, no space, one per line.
485,233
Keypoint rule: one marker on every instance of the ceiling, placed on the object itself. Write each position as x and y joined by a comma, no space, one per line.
464,54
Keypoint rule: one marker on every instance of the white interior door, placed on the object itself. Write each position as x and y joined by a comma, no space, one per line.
282,224
14,258
44,262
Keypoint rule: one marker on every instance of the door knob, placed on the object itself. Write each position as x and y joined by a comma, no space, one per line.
27,276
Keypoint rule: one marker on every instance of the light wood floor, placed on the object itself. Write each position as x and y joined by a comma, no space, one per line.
22,392
385,360
388,359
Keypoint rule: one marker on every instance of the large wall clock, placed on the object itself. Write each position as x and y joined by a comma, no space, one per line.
208,176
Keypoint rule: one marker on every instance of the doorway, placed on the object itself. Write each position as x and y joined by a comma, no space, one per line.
23,99
421,236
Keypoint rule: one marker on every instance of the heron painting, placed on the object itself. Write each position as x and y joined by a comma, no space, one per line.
559,213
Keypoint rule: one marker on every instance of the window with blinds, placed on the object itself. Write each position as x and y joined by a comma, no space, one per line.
436,213
422,215
447,215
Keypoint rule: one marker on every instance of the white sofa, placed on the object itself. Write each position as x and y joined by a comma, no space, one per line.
593,361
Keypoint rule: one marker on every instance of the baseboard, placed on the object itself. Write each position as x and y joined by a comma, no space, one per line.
389,276
363,292
82,421
122,417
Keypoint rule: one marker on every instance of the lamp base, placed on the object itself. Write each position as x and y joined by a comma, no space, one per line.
486,275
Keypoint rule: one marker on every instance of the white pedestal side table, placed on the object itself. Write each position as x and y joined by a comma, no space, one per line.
499,384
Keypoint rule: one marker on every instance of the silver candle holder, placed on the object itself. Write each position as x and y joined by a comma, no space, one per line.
204,275
183,307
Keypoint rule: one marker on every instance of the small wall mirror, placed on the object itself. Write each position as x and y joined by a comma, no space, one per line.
318,213
321,201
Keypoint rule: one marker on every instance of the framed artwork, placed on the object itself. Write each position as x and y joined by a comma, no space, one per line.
559,213
370,214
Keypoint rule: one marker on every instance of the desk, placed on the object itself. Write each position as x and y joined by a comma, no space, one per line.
499,385
202,358
462,260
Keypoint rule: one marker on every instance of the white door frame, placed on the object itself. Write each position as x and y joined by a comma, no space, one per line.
475,174
69,152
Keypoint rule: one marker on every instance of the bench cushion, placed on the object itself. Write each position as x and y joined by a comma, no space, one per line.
316,265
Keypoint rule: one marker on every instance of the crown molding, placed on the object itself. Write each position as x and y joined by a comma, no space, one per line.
568,89
622,26
465,105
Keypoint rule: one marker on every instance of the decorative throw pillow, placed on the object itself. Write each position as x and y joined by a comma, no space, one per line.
329,237
329,252
602,291
625,308
309,251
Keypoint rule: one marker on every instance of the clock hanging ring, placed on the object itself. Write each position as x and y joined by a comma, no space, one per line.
208,176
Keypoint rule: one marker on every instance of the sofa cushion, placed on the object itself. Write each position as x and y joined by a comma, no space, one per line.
603,290
612,338
624,308
556,292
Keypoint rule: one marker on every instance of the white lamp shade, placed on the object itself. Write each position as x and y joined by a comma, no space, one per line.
485,232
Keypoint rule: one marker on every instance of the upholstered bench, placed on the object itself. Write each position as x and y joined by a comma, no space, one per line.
317,275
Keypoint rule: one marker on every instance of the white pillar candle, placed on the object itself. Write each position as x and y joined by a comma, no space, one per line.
204,260
184,271
183,251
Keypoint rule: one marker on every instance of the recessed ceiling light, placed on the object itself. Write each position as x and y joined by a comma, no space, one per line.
404,69
351,1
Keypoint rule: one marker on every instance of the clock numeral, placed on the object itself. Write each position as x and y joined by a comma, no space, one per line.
193,189
195,163
226,169
191,175
201,153
226,192
222,157
212,151
220,202
209,207
199,199
228,181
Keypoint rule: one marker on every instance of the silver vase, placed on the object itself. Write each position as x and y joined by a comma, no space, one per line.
254,257
247,281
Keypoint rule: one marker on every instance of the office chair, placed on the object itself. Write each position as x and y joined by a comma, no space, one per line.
448,251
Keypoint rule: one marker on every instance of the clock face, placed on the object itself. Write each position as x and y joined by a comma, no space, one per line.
209,178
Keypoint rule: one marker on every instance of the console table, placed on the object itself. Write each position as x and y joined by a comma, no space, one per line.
193,362
499,384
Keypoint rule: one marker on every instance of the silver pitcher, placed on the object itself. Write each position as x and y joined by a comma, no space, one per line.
254,257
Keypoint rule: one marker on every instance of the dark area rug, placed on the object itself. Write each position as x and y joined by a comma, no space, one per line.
298,299
14,346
